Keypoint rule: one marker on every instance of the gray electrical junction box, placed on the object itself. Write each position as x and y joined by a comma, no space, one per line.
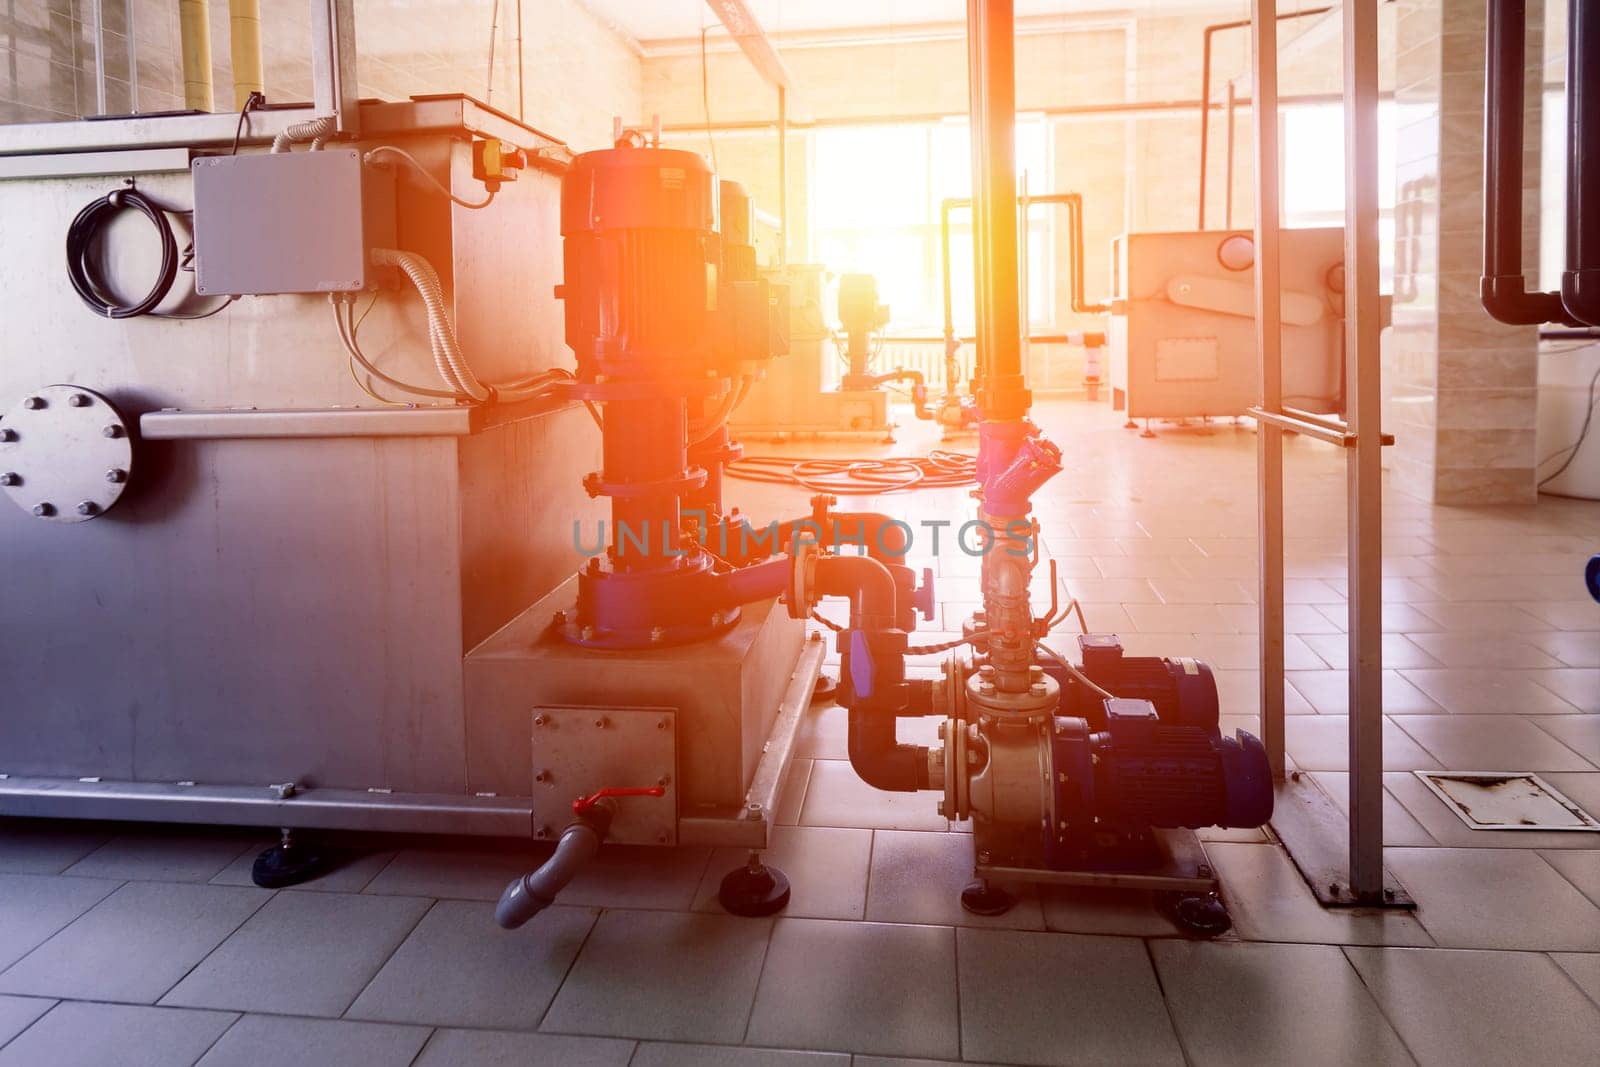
289,222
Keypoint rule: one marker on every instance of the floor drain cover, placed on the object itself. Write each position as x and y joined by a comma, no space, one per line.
1506,800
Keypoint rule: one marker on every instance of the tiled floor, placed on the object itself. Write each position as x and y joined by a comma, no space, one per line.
147,946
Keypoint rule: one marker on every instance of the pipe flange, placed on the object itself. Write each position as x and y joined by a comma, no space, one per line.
1037,703
801,597
65,454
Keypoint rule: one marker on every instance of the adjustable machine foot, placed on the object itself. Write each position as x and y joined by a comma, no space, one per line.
825,689
287,863
982,898
1198,914
754,889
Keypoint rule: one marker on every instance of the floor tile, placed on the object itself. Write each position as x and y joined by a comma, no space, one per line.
918,877
639,876
860,987
496,1048
826,867
456,874
1488,743
1481,1007
1575,614
33,846
838,797
1399,650
1501,618
1484,649
1580,733
310,1041
34,907
499,979
1575,648
1499,898
178,856
1400,827
654,1054
1269,901
347,873
1179,618
1578,687
1582,968
1329,693
1581,867
1321,743
1099,1004
1243,652
19,1013
670,976
1488,692
77,1034
1266,1003
301,954
134,945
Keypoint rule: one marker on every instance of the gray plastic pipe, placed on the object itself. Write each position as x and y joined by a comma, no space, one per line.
536,890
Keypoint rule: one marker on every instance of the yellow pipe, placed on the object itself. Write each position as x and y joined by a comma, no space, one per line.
244,25
194,22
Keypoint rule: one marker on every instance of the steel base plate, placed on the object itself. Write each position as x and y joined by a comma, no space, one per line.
1316,834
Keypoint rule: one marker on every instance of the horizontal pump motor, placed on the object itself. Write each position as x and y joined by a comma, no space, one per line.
1084,782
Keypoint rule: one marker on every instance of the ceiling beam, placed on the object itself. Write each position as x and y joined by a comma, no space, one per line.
742,25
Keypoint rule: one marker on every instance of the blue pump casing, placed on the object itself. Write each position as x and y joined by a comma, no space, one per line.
1152,756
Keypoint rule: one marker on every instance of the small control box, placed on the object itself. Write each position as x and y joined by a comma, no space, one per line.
290,222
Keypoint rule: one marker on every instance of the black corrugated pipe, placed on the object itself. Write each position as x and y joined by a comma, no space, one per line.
1580,283
1502,288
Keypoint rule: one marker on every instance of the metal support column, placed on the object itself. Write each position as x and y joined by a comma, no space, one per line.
1269,340
1341,859
1363,461
334,85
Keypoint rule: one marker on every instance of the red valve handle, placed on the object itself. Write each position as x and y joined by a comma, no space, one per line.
582,805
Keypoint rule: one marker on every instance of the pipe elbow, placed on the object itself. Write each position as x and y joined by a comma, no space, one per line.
530,894
1506,299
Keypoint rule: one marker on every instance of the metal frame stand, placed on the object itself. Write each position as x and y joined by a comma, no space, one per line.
1341,859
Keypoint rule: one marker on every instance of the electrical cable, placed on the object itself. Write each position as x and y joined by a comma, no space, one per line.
83,235
1067,666
1573,449
346,335
939,469
389,149
251,102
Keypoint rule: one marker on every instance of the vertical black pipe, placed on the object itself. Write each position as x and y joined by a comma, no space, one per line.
1502,288
1580,283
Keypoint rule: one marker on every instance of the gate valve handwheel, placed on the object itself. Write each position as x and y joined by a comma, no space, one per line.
582,805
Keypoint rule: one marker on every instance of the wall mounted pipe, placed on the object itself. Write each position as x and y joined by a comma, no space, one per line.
1502,287
1205,89
1580,283
244,42
194,27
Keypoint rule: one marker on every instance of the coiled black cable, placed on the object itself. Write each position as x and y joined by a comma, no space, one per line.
82,237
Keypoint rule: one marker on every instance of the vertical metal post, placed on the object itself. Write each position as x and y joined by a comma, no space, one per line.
133,59
1227,171
1269,341
97,24
783,177
1363,462
335,89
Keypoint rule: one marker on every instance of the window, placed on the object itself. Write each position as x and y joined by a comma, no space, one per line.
1312,158
875,197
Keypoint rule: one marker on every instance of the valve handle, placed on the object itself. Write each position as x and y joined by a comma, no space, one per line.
582,805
